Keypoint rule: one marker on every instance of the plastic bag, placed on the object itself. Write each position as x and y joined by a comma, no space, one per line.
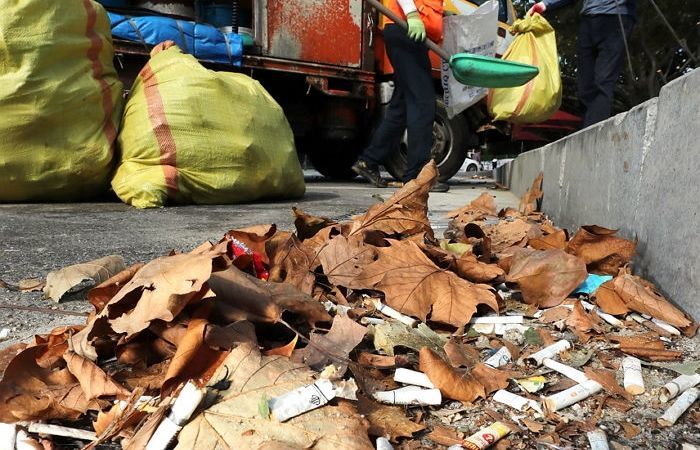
470,33
193,135
60,99
536,101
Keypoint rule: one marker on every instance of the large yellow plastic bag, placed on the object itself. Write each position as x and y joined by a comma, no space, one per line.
536,101
60,100
192,135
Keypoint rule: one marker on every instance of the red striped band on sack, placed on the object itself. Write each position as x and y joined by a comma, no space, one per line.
93,54
161,128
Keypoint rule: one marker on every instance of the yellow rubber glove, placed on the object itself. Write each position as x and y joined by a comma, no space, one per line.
416,28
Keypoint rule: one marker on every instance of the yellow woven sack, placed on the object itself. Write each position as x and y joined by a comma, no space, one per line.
536,101
192,135
60,100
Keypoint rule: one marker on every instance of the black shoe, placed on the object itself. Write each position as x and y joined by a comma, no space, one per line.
440,187
368,173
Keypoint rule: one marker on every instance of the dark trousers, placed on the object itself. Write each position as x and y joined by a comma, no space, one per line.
601,53
412,107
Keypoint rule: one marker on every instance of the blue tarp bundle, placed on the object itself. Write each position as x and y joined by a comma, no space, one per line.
201,40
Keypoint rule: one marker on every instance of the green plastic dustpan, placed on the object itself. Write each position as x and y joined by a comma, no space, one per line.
484,71
474,70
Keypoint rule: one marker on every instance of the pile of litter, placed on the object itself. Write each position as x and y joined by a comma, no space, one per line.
372,332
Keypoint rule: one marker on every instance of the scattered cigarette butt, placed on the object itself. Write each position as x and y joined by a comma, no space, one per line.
301,400
498,319
413,377
371,321
666,326
486,437
633,381
409,395
649,324
384,444
680,406
571,396
187,401
57,430
565,370
497,328
548,352
4,334
394,314
612,320
500,358
678,385
515,401
8,436
598,440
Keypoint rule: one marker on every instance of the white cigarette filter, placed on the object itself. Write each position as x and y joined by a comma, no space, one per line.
384,444
486,437
8,436
410,395
565,370
394,314
301,400
413,377
633,381
666,326
371,321
548,352
598,440
574,394
500,358
680,406
498,328
612,320
498,319
678,385
187,401
515,401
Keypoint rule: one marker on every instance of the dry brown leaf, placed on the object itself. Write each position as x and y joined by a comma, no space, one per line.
381,361
555,314
631,430
255,238
533,425
386,420
619,404
546,277
484,203
653,354
606,378
284,350
460,354
240,296
31,285
556,240
93,380
627,292
453,383
492,379
650,341
106,418
528,203
59,282
307,225
334,347
343,259
294,262
582,321
253,378
505,234
52,346
101,294
600,249
8,353
445,436
469,268
414,285
406,212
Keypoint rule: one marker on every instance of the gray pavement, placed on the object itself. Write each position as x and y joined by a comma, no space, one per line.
38,238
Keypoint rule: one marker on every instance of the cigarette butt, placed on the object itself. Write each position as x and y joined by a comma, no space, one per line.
612,320
678,385
484,328
486,437
371,321
497,319
649,324
26,442
409,395
680,406
187,401
455,447
666,326
571,396
413,377
633,381
515,401
565,370
500,358
598,440
394,314
58,430
301,400
8,436
548,352
384,444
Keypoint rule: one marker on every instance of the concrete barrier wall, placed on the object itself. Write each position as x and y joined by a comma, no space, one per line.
639,172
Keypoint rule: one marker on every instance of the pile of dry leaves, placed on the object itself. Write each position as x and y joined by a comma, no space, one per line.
297,340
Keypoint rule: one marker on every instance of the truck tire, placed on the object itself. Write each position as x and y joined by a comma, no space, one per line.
451,140
334,158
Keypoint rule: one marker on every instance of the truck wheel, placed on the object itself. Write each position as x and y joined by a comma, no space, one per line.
451,139
334,158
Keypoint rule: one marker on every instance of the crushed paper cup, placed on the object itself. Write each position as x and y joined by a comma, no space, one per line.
678,385
486,437
409,395
681,405
548,352
633,381
301,400
407,376
571,396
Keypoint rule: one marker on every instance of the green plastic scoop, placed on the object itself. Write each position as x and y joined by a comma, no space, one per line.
471,69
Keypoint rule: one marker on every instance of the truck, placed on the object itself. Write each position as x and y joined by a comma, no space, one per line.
324,62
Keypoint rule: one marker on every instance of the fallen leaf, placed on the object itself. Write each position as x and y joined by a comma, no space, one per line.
528,202
631,430
406,212
101,294
445,436
453,383
106,418
388,421
469,268
484,203
651,354
307,225
93,380
533,425
391,334
619,404
684,368
533,337
334,347
414,285
59,282
555,314
8,353
506,234
254,238
461,355
294,262
556,240
381,361
284,350
492,379
606,378
343,259
600,249
251,375
546,277
31,285
582,322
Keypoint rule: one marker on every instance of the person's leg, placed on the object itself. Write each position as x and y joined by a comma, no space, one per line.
608,64
585,56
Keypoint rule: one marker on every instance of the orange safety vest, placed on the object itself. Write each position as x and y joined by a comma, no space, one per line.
430,13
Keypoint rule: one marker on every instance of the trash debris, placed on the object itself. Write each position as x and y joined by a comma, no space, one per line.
680,406
678,385
301,400
57,430
598,439
548,352
486,437
633,381
532,384
413,377
517,402
409,395
500,358
186,402
571,396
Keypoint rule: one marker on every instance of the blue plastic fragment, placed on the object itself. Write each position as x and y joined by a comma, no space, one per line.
592,283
